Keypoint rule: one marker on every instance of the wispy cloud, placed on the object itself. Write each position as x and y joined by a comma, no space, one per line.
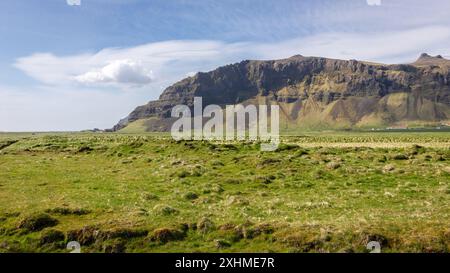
84,89
165,61
386,47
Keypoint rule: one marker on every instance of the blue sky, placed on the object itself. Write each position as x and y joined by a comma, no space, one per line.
65,67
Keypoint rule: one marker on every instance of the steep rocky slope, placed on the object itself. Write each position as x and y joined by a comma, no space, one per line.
315,92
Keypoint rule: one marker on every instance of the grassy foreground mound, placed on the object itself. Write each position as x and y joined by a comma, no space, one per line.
148,193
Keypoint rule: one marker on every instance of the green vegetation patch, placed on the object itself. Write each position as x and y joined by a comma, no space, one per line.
328,192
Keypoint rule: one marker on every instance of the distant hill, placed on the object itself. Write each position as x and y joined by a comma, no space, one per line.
315,93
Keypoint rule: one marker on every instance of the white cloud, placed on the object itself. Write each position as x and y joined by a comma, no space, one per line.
374,2
164,62
387,47
191,74
124,65
73,2
119,71
70,97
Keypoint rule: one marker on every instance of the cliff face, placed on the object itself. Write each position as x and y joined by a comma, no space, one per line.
316,92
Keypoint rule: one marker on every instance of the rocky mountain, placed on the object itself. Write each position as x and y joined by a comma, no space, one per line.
315,92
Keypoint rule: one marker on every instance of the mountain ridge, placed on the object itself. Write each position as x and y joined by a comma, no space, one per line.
315,92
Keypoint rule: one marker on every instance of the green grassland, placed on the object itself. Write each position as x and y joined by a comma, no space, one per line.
319,192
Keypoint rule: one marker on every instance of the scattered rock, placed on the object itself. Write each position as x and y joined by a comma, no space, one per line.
446,169
217,188
127,161
389,194
333,165
388,168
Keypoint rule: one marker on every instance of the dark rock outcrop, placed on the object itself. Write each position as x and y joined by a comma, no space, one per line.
312,91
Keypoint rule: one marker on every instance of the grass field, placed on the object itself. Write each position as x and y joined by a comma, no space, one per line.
327,192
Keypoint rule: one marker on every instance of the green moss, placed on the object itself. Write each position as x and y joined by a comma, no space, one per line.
320,192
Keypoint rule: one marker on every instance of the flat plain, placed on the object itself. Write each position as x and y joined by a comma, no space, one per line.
319,192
